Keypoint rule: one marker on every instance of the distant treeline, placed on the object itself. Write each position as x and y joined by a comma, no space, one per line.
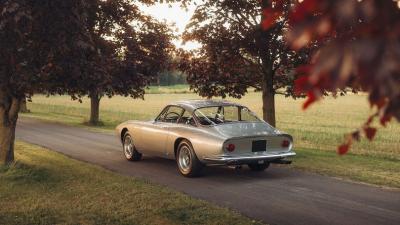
168,78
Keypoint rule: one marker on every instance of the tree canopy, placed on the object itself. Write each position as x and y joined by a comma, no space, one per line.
74,47
237,53
43,47
131,48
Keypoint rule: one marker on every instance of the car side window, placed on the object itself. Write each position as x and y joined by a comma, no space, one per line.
231,114
160,117
187,118
172,114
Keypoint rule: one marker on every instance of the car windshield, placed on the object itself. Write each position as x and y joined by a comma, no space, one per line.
224,114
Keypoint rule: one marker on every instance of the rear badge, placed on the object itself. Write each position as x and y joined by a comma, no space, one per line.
260,161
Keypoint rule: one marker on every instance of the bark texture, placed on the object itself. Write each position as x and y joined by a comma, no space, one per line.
94,108
9,108
268,98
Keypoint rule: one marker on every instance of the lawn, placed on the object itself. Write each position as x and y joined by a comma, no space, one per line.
317,132
44,187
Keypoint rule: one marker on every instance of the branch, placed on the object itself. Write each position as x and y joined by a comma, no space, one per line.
246,19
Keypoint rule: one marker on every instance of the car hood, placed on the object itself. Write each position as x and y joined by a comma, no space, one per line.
242,129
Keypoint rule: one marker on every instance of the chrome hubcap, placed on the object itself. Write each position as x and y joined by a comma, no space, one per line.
128,147
184,159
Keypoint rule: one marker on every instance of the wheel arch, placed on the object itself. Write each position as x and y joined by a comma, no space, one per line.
177,142
123,132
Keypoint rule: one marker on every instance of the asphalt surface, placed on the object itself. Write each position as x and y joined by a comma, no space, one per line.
277,196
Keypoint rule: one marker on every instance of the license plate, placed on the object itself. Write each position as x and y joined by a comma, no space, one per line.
259,146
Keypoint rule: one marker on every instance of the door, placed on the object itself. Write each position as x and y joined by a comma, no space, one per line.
154,136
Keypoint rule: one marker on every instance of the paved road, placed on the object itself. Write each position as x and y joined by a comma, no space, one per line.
276,196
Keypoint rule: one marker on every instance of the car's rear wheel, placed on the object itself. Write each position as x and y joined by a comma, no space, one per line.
258,166
188,163
130,151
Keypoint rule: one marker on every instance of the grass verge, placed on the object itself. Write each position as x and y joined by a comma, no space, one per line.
44,187
367,169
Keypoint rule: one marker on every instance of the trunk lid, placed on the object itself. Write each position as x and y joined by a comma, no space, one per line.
253,138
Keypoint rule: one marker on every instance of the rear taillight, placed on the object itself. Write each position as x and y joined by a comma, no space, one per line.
285,143
230,147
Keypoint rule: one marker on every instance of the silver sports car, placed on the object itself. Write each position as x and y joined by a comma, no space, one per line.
196,133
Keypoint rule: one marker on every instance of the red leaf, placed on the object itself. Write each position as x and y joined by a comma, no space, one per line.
344,148
370,119
311,98
267,23
370,132
374,99
384,119
270,17
300,85
302,10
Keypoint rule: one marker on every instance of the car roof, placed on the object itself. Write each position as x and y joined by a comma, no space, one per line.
192,105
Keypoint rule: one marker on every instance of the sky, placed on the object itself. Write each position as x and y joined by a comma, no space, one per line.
173,14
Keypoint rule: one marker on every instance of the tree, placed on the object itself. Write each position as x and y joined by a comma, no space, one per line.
363,53
131,49
237,53
43,44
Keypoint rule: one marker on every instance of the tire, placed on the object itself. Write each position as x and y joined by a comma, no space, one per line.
258,167
188,163
129,149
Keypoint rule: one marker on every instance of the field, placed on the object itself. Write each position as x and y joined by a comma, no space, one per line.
317,132
44,187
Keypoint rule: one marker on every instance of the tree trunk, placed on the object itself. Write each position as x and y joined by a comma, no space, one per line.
268,91
9,108
94,108
23,107
268,98
7,138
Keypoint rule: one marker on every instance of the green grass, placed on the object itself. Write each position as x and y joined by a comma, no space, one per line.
317,132
367,169
44,187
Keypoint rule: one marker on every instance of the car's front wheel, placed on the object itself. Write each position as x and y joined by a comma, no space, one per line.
258,166
188,163
130,151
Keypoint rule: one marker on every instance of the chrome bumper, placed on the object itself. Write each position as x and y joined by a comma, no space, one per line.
235,160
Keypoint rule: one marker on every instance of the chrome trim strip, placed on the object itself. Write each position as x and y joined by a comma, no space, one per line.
228,159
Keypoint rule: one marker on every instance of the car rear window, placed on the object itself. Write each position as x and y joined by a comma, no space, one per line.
224,114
